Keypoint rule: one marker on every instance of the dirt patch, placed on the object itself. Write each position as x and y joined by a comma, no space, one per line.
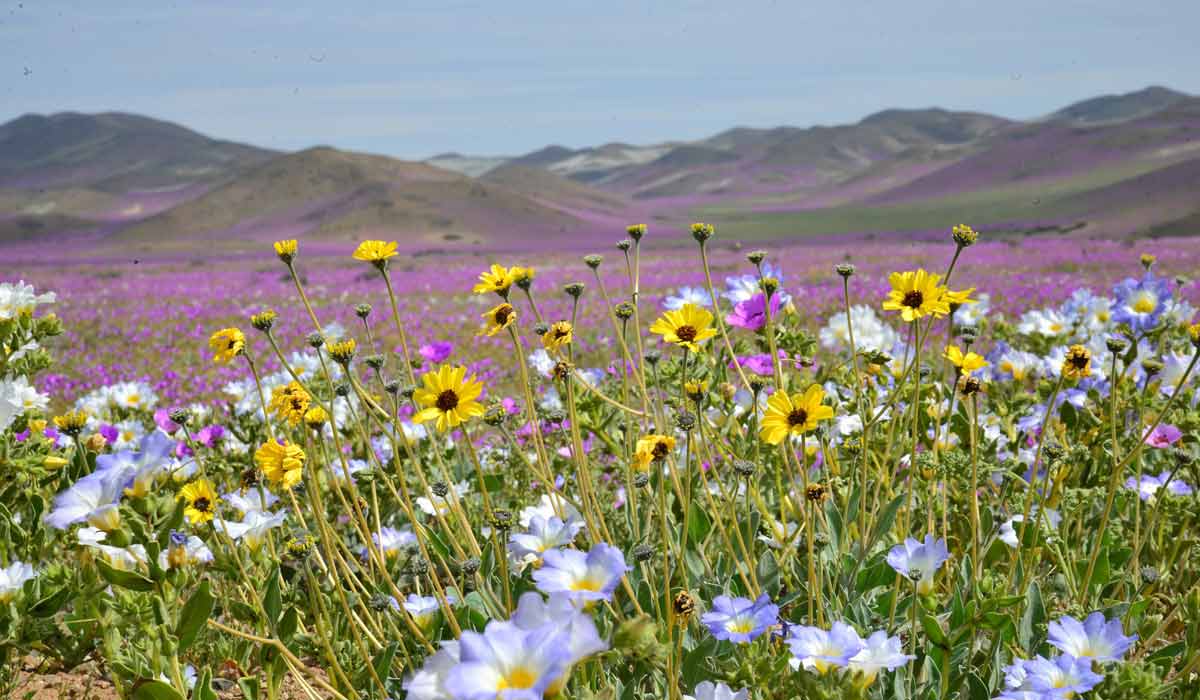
86,682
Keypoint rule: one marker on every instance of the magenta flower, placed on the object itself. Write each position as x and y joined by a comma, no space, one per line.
759,364
162,417
437,351
1163,435
751,314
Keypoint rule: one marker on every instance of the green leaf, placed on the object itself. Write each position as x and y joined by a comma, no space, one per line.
933,629
1168,652
699,524
288,624
194,616
768,573
154,690
49,605
249,687
1034,616
977,688
203,689
122,578
887,517
383,660
272,599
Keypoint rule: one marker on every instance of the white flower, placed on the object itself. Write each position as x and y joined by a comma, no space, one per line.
439,505
541,362
427,682
687,295
132,395
258,500
1048,322
20,298
870,332
1008,530
879,651
254,527
16,397
12,578
706,690
549,507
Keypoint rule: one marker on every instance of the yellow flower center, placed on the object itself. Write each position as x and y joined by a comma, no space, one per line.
586,584
740,626
1145,303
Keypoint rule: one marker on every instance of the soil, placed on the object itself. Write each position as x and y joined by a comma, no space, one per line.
86,682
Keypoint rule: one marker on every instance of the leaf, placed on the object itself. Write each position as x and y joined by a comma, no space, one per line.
1032,618
887,517
977,688
249,687
933,629
383,660
1170,651
768,573
203,689
288,624
154,690
122,578
49,605
699,524
194,616
272,599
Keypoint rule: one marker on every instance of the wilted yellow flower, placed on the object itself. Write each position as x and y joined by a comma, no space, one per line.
281,462
695,389
955,299
522,276
496,279
497,319
201,501
967,363
1148,260
263,320
686,327
227,344
916,294
964,235
286,250
1078,362
449,397
652,448
315,417
375,251
343,351
558,335
793,415
290,402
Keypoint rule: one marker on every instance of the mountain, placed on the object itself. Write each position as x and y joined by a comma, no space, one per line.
1113,165
332,196
1116,108
113,152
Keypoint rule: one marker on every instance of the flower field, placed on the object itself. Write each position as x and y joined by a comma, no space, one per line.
962,468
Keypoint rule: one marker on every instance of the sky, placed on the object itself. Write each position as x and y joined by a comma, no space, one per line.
413,79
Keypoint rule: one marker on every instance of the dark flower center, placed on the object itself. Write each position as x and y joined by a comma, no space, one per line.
232,344
913,299
447,400
660,449
686,333
503,314
561,332
1079,360
202,504
798,416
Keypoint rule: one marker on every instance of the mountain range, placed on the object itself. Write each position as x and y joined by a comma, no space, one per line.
1115,165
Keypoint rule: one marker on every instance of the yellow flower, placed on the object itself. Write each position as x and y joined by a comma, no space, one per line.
695,389
281,462
343,352
72,422
686,327
497,279
1078,362
286,250
967,363
793,415
558,335
375,251
290,403
954,298
916,294
449,397
652,448
522,276
315,417
227,344
201,501
1194,334
964,235
497,319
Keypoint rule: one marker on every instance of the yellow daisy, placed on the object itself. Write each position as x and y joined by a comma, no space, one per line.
281,462
558,335
290,402
954,298
967,363
375,251
227,344
497,319
1078,362
686,327
449,397
201,501
916,294
652,448
286,249
497,279
793,415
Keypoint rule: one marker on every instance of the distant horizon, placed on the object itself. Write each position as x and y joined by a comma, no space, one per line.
598,144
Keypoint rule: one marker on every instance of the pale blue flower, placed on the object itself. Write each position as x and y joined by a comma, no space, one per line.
821,650
1096,638
544,534
740,620
1140,302
427,683
253,528
93,499
580,637
583,577
687,295
1048,679
919,561
879,651
507,663
422,608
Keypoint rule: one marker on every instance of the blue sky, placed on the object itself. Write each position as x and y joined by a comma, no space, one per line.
412,79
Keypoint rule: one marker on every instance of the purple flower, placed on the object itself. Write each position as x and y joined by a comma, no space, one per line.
1149,485
584,577
110,433
751,314
437,351
1096,638
740,620
919,560
162,418
759,364
1163,435
210,434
